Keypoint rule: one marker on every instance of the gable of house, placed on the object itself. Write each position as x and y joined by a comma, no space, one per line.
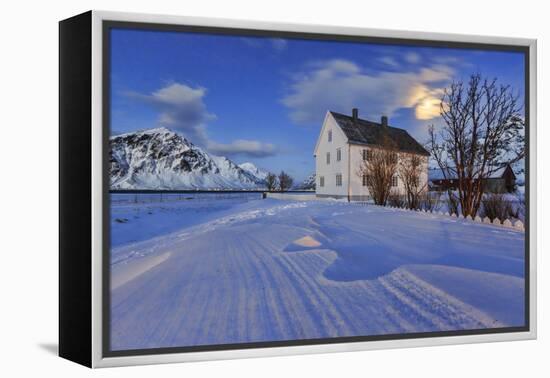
329,126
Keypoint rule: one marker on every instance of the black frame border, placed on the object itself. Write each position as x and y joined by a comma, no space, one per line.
107,25
75,189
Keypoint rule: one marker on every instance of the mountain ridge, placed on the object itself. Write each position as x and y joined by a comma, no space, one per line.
161,159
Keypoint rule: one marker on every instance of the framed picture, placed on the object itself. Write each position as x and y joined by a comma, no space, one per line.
232,189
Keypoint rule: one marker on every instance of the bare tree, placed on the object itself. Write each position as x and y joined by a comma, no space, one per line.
285,181
271,182
378,168
410,169
483,127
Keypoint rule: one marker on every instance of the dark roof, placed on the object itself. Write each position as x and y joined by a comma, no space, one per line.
437,173
362,131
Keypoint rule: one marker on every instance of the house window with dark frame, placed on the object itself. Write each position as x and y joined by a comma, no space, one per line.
328,158
367,155
322,181
330,135
338,154
338,179
394,181
366,180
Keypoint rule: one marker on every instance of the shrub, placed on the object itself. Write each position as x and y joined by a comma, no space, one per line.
519,208
430,201
452,203
396,200
497,205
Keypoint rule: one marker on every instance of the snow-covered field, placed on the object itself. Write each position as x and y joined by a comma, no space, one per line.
138,217
238,271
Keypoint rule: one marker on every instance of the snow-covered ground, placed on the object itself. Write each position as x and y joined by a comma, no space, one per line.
138,217
270,270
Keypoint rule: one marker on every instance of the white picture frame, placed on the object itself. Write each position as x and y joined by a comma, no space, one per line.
97,358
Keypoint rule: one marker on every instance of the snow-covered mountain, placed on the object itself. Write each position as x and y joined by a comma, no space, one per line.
261,174
162,159
308,183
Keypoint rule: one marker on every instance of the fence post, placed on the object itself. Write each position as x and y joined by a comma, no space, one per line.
519,225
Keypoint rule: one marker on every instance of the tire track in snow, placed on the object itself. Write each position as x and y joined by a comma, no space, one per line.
325,314
280,290
431,306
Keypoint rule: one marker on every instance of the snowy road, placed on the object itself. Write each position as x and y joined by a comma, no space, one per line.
270,270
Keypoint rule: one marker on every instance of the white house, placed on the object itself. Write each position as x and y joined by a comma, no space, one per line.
344,142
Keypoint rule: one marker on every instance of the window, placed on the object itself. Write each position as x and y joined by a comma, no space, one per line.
339,179
367,180
322,181
328,157
394,181
330,135
367,155
338,154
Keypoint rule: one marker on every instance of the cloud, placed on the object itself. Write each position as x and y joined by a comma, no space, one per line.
449,60
251,148
389,61
181,108
427,102
279,44
341,85
412,57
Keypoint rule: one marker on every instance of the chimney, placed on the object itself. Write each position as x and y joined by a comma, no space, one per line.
384,121
355,114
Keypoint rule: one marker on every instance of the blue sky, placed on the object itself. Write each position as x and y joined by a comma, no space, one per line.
263,99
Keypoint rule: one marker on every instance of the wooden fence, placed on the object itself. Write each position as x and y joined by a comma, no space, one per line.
516,224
